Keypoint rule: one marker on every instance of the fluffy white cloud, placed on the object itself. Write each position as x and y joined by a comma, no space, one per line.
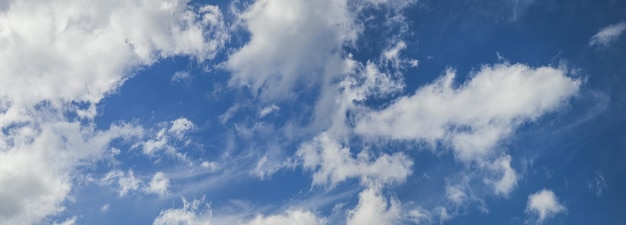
196,212
374,209
126,181
543,205
73,50
62,52
158,184
506,178
334,163
37,159
475,116
167,139
607,34
297,39
291,217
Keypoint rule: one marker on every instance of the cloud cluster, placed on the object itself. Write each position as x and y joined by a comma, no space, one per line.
197,212
60,58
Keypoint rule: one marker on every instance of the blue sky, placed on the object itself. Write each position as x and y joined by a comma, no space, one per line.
356,112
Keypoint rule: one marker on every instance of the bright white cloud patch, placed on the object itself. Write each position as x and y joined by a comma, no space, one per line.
58,53
475,116
607,34
506,178
291,217
196,212
543,205
334,163
281,31
158,184
374,209
80,50
125,181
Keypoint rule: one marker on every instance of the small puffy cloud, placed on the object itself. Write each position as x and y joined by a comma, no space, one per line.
333,163
475,116
126,181
196,212
607,34
211,166
507,176
374,209
268,110
543,205
158,184
168,138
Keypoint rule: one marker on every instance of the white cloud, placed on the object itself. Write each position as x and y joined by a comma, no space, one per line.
38,158
70,221
268,110
507,176
159,184
374,209
211,166
61,54
477,115
181,76
281,31
334,163
543,205
126,181
168,138
291,217
192,213
74,50
197,212
607,34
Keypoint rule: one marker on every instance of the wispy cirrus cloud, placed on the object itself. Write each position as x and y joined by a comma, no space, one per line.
607,35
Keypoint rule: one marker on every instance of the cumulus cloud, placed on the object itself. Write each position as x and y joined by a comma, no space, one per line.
506,178
299,217
281,31
158,184
374,209
607,35
333,163
80,50
543,205
475,116
37,158
61,57
196,212
125,181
